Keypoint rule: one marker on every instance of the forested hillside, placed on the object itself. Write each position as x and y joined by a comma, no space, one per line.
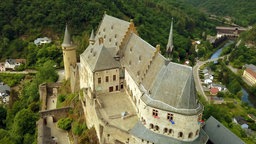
246,51
22,21
243,12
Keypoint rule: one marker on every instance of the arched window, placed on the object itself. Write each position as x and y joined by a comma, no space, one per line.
180,135
156,127
190,135
151,126
170,131
165,130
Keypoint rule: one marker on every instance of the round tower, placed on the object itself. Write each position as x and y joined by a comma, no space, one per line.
69,53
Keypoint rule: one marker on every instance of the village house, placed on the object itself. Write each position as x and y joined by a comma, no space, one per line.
220,87
2,66
214,91
4,93
249,74
241,121
11,64
40,41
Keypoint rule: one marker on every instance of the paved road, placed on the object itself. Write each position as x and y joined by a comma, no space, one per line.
197,79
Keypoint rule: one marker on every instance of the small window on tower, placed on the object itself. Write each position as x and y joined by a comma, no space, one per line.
131,49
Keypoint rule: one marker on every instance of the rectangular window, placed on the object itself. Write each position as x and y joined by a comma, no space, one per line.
99,80
155,113
169,116
114,77
110,89
116,88
106,78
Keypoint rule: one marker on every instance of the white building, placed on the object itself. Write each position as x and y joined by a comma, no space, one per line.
131,93
12,63
40,41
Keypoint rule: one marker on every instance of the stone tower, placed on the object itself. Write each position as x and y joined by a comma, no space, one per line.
69,53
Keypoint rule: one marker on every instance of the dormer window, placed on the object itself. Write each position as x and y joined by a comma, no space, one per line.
169,116
155,113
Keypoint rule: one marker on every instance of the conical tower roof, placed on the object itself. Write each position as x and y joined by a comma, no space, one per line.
67,39
169,46
92,37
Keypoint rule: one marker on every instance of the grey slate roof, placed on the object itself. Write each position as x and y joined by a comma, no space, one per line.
168,86
251,66
219,134
142,132
112,30
175,86
5,88
100,58
67,39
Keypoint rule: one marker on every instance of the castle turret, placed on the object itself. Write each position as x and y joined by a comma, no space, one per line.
169,46
69,53
92,38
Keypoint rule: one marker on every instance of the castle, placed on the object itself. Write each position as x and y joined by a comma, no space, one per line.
130,92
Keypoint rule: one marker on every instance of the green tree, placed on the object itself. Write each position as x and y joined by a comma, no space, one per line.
3,113
47,73
24,122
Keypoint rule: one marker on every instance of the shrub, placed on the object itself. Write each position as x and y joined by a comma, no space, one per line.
64,123
78,128
61,97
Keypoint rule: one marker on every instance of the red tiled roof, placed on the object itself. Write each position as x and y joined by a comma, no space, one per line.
251,72
214,91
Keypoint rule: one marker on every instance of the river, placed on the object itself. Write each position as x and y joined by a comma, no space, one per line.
246,98
218,52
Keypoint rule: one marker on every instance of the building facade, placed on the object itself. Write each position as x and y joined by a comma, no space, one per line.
250,74
132,94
